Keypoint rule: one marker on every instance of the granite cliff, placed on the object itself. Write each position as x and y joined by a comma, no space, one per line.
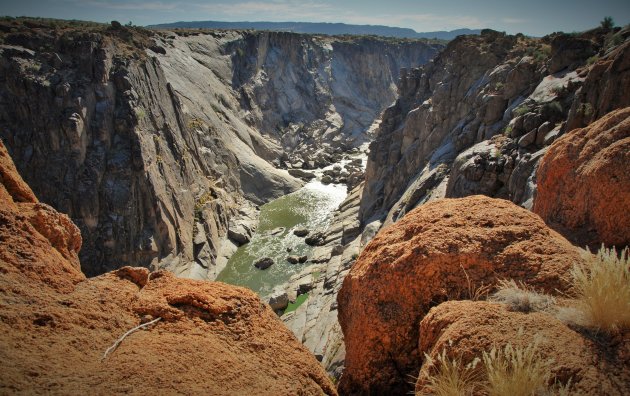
154,143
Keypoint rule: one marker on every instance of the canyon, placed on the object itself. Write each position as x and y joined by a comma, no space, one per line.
491,157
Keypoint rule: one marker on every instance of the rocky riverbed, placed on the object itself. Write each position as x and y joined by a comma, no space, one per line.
282,258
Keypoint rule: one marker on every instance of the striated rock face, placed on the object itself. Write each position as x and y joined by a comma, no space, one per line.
481,115
465,329
448,105
442,250
600,93
56,325
149,141
584,185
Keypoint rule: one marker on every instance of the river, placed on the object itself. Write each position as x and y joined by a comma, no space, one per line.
310,207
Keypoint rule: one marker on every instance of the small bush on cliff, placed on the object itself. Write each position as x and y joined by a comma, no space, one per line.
607,23
602,288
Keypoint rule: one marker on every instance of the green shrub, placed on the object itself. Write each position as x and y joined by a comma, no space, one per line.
521,110
592,59
607,23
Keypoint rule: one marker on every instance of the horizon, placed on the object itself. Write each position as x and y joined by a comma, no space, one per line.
537,18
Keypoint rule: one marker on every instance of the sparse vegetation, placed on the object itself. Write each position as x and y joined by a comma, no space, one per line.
607,23
586,109
196,123
552,109
520,297
140,113
451,377
521,110
510,370
516,371
602,288
296,304
592,59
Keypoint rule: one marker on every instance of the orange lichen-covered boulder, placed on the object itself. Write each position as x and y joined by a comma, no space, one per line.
584,182
55,325
441,250
465,329
36,241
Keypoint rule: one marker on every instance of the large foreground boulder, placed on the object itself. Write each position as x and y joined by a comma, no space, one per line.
55,325
465,329
584,182
442,250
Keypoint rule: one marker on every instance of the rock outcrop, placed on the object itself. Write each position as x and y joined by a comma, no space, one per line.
56,325
478,119
584,184
112,126
466,329
442,250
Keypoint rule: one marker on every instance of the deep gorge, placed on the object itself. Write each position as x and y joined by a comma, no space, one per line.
146,155
444,167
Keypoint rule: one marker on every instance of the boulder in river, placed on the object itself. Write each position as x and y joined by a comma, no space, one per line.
293,259
302,259
301,174
300,232
315,239
264,263
277,231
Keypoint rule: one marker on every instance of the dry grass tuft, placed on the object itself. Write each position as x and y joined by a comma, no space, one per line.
520,297
516,371
602,289
452,378
511,371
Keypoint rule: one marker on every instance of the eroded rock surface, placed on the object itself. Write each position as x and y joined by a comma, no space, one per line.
442,250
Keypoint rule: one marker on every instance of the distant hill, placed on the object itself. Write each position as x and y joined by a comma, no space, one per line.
320,28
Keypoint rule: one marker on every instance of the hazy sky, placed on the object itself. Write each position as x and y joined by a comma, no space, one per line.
533,17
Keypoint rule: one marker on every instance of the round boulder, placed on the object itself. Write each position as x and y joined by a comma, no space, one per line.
466,329
440,251
584,182
264,263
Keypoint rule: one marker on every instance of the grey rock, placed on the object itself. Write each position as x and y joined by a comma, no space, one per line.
528,139
300,232
264,263
279,300
301,174
315,239
551,136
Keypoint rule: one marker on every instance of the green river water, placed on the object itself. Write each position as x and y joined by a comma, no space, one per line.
311,207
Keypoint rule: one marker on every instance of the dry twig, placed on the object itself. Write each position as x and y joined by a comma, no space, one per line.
115,345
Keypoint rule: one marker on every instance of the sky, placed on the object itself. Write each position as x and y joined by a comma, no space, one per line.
531,17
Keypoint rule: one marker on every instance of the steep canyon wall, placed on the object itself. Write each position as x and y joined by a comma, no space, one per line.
152,141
